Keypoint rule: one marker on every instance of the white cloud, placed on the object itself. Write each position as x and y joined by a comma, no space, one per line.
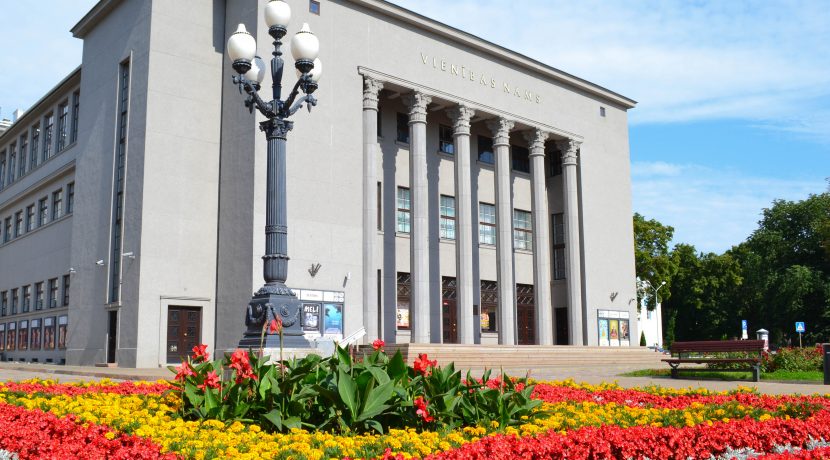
710,208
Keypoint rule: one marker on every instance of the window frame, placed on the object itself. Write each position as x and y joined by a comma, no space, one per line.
446,140
403,212
447,219
482,224
483,153
558,246
522,235
402,128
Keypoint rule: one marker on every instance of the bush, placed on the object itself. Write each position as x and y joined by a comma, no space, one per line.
794,360
642,339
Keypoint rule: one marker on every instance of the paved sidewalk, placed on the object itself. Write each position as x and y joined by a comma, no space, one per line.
589,374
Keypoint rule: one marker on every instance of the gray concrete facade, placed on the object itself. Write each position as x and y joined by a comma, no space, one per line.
169,180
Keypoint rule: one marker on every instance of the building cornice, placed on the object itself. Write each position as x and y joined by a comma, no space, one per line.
512,57
93,17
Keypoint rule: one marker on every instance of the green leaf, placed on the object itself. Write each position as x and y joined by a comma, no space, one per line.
274,417
193,395
211,400
292,422
264,386
380,376
376,401
343,356
375,425
347,389
397,367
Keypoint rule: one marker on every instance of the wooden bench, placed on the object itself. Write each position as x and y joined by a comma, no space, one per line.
701,353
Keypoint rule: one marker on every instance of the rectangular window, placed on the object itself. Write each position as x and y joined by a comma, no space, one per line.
39,295
34,334
486,223
489,306
35,142
70,197
76,111
522,230
521,159
118,192
445,140
42,211
63,121
404,290
63,322
380,207
30,218
379,122
4,302
14,302
57,204
12,164
11,336
7,230
2,337
49,333
404,217
65,290
18,223
53,293
555,162
48,128
23,335
314,7
27,298
24,150
447,224
558,246
402,128
2,169
485,150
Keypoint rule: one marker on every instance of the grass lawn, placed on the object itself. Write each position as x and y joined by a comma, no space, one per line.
803,376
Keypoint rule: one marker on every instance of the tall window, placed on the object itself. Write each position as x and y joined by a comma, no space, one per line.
42,211
7,230
380,206
76,111
35,142
118,192
404,211
70,197
555,162
489,305
522,230
24,150
379,122
39,295
65,290
48,127
447,224
559,246
18,223
12,163
486,223
63,120
402,128
485,150
30,218
521,159
2,169
4,302
27,298
404,291
57,204
53,293
14,301
445,141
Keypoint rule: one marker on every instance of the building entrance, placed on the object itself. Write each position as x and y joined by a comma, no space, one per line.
112,335
450,312
525,314
184,331
561,324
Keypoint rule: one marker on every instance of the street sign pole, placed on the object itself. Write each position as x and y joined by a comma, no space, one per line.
799,327
799,341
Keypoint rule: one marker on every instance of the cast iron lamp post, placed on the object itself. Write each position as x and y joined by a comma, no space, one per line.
275,300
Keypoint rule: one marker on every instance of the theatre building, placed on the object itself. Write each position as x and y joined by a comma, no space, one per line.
444,189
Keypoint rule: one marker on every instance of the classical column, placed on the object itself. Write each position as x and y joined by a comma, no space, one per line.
541,240
573,266
504,231
371,89
460,117
419,234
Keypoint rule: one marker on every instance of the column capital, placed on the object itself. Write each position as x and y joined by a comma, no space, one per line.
569,149
536,140
461,116
371,92
500,128
417,103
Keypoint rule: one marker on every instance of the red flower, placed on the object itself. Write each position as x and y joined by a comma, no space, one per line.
242,365
378,344
422,365
211,381
200,353
184,371
275,326
421,409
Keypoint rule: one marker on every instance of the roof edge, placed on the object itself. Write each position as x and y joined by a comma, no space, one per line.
424,22
93,17
49,94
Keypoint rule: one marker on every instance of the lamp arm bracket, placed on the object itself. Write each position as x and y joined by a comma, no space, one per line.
289,103
309,99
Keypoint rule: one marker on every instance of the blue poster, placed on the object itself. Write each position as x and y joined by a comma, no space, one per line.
333,318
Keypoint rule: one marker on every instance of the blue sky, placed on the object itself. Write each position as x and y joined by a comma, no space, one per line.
734,96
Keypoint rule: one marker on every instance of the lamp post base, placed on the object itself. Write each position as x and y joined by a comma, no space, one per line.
272,302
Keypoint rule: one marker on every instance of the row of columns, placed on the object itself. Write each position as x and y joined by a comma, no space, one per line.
500,128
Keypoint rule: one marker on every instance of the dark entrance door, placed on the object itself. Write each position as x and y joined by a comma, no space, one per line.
184,331
561,322
525,314
112,334
450,311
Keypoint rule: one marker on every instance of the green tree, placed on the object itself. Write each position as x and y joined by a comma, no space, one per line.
653,262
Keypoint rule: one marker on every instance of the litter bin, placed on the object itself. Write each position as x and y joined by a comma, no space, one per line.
825,347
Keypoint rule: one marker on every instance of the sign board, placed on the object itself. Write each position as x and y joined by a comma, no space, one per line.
311,317
799,327
744,326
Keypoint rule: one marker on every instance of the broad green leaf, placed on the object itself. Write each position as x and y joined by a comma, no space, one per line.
397,367
343,356
347,389
380,376
376,399
274,417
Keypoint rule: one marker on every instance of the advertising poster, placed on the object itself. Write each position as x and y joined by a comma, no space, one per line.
485,321
311,317
333,319
34,333
603,332
11,337
2,337
624,333
403,315
614,332
23,336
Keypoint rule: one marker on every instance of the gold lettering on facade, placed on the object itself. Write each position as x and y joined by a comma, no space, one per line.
454,69
443,65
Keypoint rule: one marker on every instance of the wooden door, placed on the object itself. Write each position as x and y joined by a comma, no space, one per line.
450,310
184,331
527,324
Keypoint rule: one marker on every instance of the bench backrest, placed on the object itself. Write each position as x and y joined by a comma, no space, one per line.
720,346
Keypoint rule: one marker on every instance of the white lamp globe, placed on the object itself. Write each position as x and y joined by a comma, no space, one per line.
305,45
257,72
241,45
277,13
317,71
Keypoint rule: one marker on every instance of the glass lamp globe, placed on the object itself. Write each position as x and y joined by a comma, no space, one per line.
317,71
305,46
242,47
277,13
257,72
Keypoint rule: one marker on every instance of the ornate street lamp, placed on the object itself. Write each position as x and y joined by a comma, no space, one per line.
274,299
